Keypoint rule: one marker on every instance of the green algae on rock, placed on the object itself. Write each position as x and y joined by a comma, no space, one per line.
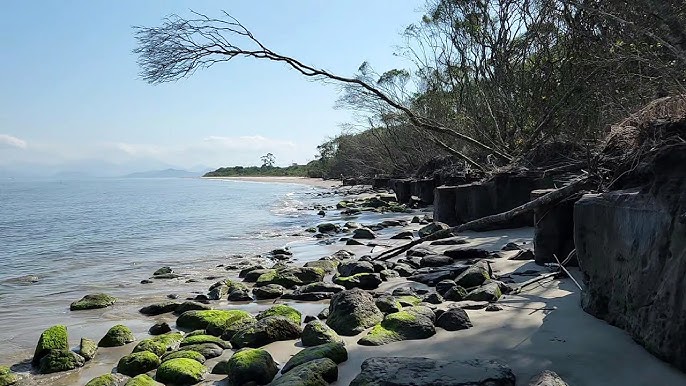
319,372
365,280
317,332
118,335
403,325
265,331
291,276
199,339
138,363
7,377
282,310
181,371
93,301
335,351
60,360
184,354
142,380
108,380
209,319
207,350
247,365
54,338
159,344
88,348
353,311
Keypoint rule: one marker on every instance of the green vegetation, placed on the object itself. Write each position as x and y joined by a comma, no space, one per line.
312,169
54,338
141,380
248,365
282,310
94,301
118,335
181,371
104,380
138,363
198,320
188,354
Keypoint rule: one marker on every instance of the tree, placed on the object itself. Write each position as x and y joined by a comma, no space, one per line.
268,160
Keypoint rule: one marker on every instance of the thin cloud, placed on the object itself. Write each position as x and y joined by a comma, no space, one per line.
7,140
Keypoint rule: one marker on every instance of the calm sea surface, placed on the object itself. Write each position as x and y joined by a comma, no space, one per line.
62,239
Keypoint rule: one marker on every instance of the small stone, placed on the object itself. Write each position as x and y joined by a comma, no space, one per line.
547,378
159,328
319,372
455,294
118,335
88,348
270,291
493,307
454,319
433,298
310,318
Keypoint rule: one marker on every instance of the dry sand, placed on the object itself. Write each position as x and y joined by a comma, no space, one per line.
316,182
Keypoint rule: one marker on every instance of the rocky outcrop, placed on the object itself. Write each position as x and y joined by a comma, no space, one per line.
631,247
430,372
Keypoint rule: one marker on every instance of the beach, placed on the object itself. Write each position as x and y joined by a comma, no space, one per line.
541,328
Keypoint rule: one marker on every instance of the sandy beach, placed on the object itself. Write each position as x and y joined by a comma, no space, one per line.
316,182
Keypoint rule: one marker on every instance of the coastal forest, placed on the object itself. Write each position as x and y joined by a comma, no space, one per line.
491,82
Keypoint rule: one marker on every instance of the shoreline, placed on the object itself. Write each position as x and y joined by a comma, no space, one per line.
542,328
314,182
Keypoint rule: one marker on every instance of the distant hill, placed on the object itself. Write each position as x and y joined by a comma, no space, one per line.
166,173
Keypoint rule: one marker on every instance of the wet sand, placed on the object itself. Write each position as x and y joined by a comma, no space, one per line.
316,182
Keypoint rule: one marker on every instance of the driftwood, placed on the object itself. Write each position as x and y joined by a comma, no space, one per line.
548,199
533,281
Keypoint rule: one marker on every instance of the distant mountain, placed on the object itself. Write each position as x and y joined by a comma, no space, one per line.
166,173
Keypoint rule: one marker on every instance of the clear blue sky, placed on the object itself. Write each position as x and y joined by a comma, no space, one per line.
71,93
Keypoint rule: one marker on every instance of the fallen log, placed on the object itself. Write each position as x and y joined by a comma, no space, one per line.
548,199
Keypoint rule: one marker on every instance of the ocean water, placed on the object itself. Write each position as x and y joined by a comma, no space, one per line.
62,239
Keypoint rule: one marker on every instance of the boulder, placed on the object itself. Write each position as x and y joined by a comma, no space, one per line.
317,332
350,267
248,365
319,372
366,281
138,363
307,296
489,292
159,308
403,269
159,328
387,274
547,378
163,271
252,275
327,227
450,241
353,311
60,360
473,276
444,285
327,265
388,304
183,353
267,330
181,371
335,351
211,320
245,271
291,276
270,291
7,377
321,287
88,348
191,306
456,294
111,380
402,325
466,253
433,298
93,301
400,371
207,350
230,329
54,338
118,335
402,235
282,310
432,228
454,319
435,261
142,380
200,339
433,275
363,233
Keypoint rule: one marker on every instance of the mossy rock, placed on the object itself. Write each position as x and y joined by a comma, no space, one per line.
489,292
93,301
317,332
60,360
207,350
88,348
159,308
210,320
231,329
150,345
403,325
191,306
353,311
282,310
319,372
181,371
184,354
327,265
118,335
335,351
291,276
142,380
54,338
248,365
474,276
108,380
7,377
456,294
408,300
367,281
265,331
138,363
200,339
270,291
388,304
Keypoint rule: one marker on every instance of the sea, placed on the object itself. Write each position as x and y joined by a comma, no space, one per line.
62,239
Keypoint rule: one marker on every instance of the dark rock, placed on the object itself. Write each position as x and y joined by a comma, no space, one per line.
353,242
419,252
511,247
88,348
335,351
248,366
433,298
450,241
403,269
489,292
444,285
349,268
388,274
159,329
388,304
435,261
404,291
138,363
146,281
466,253
207,350
432,228
454,319
252,275
118,335
317,332
493,307
327,265
60,360
323,314
319,372
190,306
398,326
473,276
366,281
327,228
321,287
431,277
291,276
547,378
159,308
307,296
431,372
93,301
523,255
309,318
455,294
271,291
265,331
353,311
363,233
402,235
163,271
245,271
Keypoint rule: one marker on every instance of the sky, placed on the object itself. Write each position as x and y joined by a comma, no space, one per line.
72,99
